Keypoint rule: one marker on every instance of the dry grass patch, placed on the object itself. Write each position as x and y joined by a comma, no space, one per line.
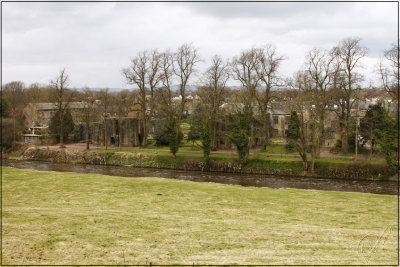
70,218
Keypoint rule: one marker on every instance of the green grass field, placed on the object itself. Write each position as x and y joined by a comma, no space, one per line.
69,218
278,149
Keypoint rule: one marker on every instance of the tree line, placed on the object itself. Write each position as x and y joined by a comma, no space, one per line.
330,78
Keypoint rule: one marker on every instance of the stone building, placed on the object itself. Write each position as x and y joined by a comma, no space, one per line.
278,121
131,133
40,114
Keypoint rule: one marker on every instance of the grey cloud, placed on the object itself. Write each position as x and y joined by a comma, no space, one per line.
95,40
262,10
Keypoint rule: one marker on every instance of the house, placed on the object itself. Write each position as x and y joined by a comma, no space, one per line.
40,114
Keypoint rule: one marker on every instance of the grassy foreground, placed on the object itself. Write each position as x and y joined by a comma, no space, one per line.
69,218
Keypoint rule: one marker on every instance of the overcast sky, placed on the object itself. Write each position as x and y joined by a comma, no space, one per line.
94,41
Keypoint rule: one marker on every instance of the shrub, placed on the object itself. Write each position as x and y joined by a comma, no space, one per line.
226,166
338,144
161,136
239,126
289,147
355,170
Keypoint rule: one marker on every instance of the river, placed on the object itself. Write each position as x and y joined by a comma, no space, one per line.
272,181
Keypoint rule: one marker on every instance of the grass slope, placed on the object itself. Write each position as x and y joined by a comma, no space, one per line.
68,218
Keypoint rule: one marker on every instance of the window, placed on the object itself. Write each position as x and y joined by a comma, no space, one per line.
276,119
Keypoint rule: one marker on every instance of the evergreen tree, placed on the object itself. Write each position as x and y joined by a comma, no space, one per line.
372,125
55,125
161,136
293,131
174,134
388,140
200,129
239,126
4,108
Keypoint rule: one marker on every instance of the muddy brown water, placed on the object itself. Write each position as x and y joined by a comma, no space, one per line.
271,181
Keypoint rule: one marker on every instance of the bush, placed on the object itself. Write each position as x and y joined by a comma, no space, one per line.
7,133
338,144
335,150
161,136
355,170
174,134
239,132
289,147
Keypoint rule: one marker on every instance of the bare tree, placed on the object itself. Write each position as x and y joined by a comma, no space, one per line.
213,93
14,93
89,112
297,131
154,78
62,98
186,59
389,72
105,108
35,94
268,61
124,100
244,70
182,64
320,69
349,52
136,74
167,77
308,119
337,96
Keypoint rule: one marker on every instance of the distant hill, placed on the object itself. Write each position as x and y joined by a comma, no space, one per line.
109,89
190,87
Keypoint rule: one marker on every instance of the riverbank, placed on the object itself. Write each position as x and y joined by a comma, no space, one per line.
67,218
258,164
255,180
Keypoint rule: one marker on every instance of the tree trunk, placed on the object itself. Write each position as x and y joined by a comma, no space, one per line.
87,136
145,133
305,166
372,145
304,159
345,138
119,134
320,133
313,153
214,142
14,132
105,133
61,130
265,139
